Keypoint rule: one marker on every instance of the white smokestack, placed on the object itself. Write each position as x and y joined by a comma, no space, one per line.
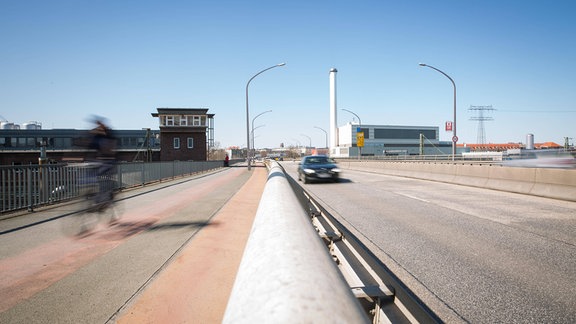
333,116
530,141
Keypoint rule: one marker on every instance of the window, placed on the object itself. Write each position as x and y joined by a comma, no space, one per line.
190,142
197,121
176,143
183,121
382,133
366,132
169,120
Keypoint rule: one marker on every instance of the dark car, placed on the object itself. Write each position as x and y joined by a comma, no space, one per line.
318,167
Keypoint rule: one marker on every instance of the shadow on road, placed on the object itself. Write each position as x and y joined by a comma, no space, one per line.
121,230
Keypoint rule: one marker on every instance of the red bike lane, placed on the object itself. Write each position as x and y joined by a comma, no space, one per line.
31,271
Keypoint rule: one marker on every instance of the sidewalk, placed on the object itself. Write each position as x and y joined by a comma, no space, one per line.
196,286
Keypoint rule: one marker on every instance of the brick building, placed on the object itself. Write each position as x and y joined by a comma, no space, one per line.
185,133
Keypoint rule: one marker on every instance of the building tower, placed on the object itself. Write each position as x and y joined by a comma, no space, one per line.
185,133
481,137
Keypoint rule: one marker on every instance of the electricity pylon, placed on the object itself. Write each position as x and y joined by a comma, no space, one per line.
481,137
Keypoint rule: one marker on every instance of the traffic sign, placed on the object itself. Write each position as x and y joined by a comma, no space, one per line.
454,138
360,139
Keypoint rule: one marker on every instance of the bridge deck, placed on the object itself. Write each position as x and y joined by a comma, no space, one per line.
196,285
172,256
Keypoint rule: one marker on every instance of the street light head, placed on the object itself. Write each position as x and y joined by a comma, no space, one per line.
281,64
422,64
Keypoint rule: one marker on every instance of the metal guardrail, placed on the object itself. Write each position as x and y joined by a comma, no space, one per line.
383,296
32,186
285,275
302,266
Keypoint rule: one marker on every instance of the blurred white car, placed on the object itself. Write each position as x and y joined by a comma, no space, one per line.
545,159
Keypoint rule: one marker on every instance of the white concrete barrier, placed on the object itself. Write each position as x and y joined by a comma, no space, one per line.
550,183
286,274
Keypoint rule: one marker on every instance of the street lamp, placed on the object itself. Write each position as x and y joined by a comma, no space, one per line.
248,113
253,119
297,142
325,132
253,129
359,121
309,140
360,125
454,136
298,146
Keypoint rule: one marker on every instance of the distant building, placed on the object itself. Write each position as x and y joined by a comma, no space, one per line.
23,146
185,133
380,140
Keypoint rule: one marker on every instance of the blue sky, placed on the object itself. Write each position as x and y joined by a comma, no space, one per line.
62,61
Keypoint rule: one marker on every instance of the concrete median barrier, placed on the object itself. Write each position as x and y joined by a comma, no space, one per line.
550,183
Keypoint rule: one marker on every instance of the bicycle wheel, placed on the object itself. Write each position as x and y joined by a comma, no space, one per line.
110,211
81,222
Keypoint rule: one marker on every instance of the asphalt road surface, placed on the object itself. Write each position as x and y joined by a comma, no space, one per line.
49,276
473,255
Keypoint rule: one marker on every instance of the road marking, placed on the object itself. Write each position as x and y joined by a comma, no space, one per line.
412,197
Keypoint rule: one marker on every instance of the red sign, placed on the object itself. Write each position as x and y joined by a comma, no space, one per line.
448,126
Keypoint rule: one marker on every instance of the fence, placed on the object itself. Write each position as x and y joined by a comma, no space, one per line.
31,186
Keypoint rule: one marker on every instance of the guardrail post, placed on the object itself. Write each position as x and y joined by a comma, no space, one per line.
29,189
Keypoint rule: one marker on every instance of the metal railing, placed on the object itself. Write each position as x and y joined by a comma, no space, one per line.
31,186
286,274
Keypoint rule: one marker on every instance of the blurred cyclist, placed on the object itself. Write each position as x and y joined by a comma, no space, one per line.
103,143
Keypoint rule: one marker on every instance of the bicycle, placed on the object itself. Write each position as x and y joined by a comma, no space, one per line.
96,184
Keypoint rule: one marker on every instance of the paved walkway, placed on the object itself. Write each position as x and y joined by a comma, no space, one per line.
195,287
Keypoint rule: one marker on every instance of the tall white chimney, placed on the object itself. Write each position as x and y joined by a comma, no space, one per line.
333,115
530,141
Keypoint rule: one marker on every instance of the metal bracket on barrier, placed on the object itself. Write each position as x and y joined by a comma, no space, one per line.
378,299
373,292
384,298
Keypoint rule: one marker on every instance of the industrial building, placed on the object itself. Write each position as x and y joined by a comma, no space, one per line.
387,140
184,134
358,139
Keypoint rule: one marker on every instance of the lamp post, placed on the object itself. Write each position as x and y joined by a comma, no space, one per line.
360,125
359,121
325,132
248,113
298,146
309,140
252,133
454,136
253,119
